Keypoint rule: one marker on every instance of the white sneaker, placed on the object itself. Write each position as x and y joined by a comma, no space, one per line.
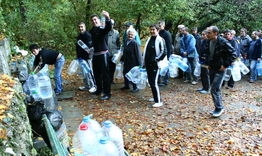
151,100
194,82
92,90
159,104
83,88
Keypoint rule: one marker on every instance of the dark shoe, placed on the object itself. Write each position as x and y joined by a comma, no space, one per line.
113,82
161,84
251,81
124,88
105,97
58,93
229,87
97,93
217,112
135,90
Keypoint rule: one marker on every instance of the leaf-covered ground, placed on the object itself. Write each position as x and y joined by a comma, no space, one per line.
183,126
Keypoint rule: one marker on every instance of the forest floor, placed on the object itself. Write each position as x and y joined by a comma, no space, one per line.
183,126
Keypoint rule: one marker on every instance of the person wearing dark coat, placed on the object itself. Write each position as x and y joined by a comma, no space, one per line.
131,57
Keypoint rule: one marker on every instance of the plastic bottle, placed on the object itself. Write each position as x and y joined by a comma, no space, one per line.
106,148
243,68
103,21
119,71
236,74
134,72
143,81
84,141
83,45
44,71
33,85
26,88
117,56
197,70
92,124
228,73
115,135
180,63
259,68
45,87
72,68
23,71
13,67
84,66
173,70
164,70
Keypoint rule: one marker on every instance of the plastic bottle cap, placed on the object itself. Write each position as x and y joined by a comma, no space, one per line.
84,127
87,119
103,140
107,123
32,73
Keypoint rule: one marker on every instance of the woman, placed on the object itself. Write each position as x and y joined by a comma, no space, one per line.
131,57
204,71
154,52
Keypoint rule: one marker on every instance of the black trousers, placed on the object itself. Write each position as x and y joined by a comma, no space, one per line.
112,68
205,78
101,73
152,74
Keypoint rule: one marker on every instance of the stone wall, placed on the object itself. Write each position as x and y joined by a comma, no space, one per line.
5,52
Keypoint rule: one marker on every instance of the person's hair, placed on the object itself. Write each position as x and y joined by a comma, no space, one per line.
94,15
33,46
195,28
256,33
112,21
80,23
214,29
180,26
228,31
186,29
244,29
162,23
233,32
131,30
155,25
204,31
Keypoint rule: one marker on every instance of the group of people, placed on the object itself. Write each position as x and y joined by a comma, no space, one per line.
214,52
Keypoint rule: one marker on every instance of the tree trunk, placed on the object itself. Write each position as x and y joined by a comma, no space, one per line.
88,8
22,12
138,26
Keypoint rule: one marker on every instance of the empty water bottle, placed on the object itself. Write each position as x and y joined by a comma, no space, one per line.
45,87
83,45
173,70
72,68
13,67
180,63
92,124
115,135
26,88
33,85
142,83
44,71
23,71
132,75
103,21
119,71
197,70
117,56
259,68
85,141
85,66
164,70
105,147
236,74
243,68
228,73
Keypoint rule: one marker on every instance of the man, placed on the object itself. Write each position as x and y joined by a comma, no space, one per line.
101,56
197,37
220,54
137,38
188,49
44,56
228,35
167,37
244,45
176,44
254,55
85,37
113,47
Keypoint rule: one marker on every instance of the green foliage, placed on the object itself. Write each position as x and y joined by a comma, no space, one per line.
53,24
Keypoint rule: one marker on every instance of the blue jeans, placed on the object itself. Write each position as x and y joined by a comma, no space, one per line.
253,70
57,76
216,80
191,68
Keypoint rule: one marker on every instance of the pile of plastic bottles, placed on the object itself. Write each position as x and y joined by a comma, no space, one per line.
94,140
138,76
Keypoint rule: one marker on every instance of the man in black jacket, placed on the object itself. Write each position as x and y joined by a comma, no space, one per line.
85,37
101,56
220,55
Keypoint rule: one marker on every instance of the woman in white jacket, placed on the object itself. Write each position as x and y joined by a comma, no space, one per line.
154,52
